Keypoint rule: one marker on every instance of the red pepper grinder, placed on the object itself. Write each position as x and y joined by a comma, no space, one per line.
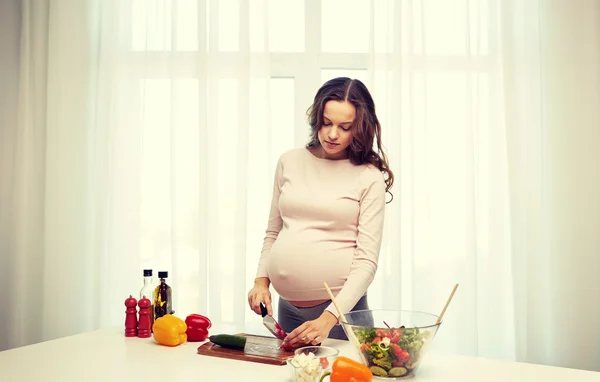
145,322
131,324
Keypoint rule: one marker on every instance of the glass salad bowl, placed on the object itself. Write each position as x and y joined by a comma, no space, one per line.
391,352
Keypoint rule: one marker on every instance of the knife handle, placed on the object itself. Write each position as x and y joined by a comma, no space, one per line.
263,309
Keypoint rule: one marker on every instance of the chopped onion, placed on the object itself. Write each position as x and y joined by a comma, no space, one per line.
308,367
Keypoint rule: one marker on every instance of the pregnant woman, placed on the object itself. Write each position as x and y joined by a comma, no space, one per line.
326,218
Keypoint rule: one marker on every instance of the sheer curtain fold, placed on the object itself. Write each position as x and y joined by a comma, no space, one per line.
10,20
25,233
182,125
570,58
551,269
148,133
521,95
448,222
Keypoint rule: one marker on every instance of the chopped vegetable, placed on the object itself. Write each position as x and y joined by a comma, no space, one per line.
392,352
307,367
280,332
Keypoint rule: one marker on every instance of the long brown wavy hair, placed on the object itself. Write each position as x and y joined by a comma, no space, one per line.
366,127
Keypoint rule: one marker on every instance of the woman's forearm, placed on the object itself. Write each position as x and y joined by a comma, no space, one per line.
262,281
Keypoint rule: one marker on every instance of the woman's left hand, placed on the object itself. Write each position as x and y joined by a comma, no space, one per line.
311,332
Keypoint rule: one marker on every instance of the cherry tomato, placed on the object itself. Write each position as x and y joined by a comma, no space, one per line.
281,333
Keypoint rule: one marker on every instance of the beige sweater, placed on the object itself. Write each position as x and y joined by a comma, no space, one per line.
325,225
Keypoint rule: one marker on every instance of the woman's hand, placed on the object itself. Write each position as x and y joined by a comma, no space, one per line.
260,293
311,332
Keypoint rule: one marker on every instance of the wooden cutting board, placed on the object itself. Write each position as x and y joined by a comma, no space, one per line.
259,349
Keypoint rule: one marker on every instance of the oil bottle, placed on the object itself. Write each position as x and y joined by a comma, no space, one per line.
163,297
146,291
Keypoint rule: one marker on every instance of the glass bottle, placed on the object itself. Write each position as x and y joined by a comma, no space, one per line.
146,291
163,298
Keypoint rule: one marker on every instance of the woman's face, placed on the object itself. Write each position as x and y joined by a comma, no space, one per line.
335,134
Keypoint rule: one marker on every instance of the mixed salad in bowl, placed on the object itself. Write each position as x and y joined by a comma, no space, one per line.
391,352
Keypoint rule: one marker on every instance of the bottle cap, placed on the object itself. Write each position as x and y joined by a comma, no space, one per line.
163,275
147,272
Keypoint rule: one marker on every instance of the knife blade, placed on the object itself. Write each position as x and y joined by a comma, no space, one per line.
270,323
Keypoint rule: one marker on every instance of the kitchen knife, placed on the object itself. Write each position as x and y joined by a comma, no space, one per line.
270,323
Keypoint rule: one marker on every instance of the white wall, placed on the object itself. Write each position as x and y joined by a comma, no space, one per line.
571,109
10,18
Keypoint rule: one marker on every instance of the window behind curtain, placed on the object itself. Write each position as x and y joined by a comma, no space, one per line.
429,65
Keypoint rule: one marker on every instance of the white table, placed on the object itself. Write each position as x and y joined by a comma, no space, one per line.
106,355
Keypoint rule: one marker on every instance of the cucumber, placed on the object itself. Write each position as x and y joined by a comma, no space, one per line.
378,371
228,341
397,371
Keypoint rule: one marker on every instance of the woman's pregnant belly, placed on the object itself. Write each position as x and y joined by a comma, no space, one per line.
298,268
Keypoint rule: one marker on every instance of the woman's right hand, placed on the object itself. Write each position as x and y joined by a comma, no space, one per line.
260,293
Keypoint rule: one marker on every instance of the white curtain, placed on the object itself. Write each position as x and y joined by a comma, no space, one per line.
148,131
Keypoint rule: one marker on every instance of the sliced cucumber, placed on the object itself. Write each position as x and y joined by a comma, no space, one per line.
397,371
378,371
228,341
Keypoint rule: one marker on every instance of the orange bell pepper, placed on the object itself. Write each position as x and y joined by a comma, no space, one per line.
169,330
347,370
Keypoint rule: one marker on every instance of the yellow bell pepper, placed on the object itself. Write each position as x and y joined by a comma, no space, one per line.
169,330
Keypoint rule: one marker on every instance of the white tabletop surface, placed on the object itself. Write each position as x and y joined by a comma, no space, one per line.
107,355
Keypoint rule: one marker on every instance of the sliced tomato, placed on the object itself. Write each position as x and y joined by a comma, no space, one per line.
403,355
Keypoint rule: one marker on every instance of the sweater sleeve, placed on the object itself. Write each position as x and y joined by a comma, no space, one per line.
368,244
274,223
